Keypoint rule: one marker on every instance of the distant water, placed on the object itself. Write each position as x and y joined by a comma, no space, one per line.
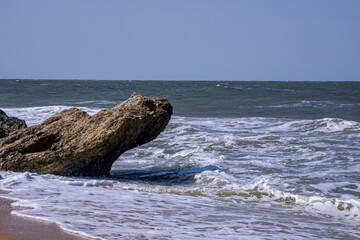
238,160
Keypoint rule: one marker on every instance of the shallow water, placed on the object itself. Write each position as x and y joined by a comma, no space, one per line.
252,160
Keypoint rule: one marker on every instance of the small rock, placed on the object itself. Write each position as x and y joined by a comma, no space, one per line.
9,124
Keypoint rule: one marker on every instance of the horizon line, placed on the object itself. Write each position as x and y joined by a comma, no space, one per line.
193,80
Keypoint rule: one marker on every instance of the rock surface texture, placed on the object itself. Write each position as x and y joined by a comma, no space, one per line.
72,143
9,124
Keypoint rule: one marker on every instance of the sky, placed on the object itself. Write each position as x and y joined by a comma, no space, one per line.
281,40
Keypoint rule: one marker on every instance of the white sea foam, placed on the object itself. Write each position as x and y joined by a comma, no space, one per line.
209,209
116,212
335,125
326,125
217,183
35,115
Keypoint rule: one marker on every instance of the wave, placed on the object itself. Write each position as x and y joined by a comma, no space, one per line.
325,125
271,124
218,183
109,208
215,184
35,115
313,104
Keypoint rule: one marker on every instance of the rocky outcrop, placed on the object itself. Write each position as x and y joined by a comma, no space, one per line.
9,124
72,143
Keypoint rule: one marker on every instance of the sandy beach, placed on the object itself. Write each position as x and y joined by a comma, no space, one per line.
18,228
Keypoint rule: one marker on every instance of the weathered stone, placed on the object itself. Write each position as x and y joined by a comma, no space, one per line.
72,143
9,124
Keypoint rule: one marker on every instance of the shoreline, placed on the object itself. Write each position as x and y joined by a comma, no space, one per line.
14,227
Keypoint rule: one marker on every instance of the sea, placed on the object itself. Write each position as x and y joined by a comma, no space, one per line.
238,160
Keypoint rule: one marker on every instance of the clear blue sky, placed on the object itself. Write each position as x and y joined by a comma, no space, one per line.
180,39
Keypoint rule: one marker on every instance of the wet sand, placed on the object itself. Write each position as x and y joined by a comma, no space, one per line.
19,228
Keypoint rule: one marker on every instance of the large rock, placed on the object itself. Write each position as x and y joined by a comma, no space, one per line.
9,124
72,143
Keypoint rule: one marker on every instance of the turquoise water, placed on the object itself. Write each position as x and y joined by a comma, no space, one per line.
238,160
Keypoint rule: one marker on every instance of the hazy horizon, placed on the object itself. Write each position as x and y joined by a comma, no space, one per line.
181,40
161,80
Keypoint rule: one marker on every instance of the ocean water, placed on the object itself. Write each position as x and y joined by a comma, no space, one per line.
238,160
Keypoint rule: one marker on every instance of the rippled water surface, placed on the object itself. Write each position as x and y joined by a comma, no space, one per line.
238,160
